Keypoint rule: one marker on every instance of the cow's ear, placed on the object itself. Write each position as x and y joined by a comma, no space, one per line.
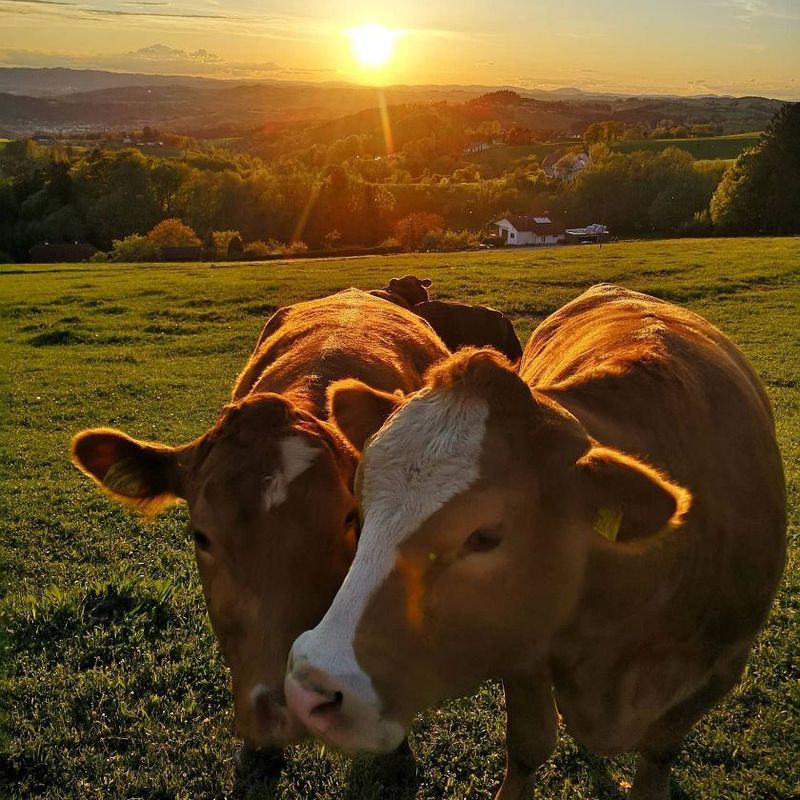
392,283
358,410
426,282
147,476
630,500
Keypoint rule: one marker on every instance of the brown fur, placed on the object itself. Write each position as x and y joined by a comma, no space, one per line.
624,403
269,575
406,292
461,325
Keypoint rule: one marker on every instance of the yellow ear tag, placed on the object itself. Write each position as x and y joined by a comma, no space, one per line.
608,522
120,478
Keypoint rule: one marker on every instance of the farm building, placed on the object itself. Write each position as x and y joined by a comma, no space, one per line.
564,167
522,229
591,234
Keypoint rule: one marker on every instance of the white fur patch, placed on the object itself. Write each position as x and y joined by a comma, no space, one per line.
426,455
297,456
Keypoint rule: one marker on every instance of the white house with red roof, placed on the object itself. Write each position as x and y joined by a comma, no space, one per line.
527,229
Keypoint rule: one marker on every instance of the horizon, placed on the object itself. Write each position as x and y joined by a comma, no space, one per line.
556,91
717,47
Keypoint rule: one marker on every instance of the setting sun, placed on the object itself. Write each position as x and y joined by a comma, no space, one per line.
373,44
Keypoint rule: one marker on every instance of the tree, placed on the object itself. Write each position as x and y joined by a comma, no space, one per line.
115,194
760,192
411,230
173,233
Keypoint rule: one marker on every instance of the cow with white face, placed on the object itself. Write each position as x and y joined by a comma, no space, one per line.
604,532
270,486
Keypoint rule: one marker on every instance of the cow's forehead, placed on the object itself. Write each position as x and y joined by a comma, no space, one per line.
427,454
255,477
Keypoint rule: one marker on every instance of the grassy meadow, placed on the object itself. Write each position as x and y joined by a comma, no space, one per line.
111,683
701,148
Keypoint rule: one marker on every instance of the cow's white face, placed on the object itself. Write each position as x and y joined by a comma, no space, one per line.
428,455
478,501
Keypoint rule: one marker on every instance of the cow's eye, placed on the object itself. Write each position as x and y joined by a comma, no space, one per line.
353,520
200,539
482,540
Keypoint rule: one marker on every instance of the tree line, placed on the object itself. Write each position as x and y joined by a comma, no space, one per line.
104,196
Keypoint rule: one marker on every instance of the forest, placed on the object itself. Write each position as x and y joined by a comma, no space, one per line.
332,185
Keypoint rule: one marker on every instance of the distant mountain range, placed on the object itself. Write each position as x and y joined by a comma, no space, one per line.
61,99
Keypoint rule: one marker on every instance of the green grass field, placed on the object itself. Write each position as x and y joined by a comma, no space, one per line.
710,148
112,684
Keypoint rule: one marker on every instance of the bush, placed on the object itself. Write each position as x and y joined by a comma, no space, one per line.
296,248
173,233
412,229
699,225
331,240
235,247
459,240
432,239
222,241
449,241
257,249
100,257
134,248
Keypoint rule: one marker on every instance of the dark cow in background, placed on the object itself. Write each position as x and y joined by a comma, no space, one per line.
461,325
458,324
270,486
604,531
406,292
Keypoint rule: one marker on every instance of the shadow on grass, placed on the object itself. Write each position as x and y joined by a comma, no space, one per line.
605,787
386,777
603,784
258,773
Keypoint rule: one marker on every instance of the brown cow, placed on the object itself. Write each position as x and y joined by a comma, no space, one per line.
607,529
406,292
461,325
269,487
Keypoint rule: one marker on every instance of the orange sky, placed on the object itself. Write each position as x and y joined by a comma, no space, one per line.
682,47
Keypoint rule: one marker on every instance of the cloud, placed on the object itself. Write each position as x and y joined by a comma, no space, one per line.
154,59
748,10
161,52
147,13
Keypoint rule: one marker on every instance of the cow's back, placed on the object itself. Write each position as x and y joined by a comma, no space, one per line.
665,385
461,325
350,334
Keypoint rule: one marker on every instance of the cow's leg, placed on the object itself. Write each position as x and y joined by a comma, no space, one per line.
663,741
653,770
531,725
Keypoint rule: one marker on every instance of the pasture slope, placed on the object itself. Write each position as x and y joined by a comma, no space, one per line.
702,148
113,686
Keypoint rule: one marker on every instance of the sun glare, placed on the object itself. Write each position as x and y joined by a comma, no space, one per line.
373,44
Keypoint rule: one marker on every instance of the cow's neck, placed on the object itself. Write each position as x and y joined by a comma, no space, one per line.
628,584
650,570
